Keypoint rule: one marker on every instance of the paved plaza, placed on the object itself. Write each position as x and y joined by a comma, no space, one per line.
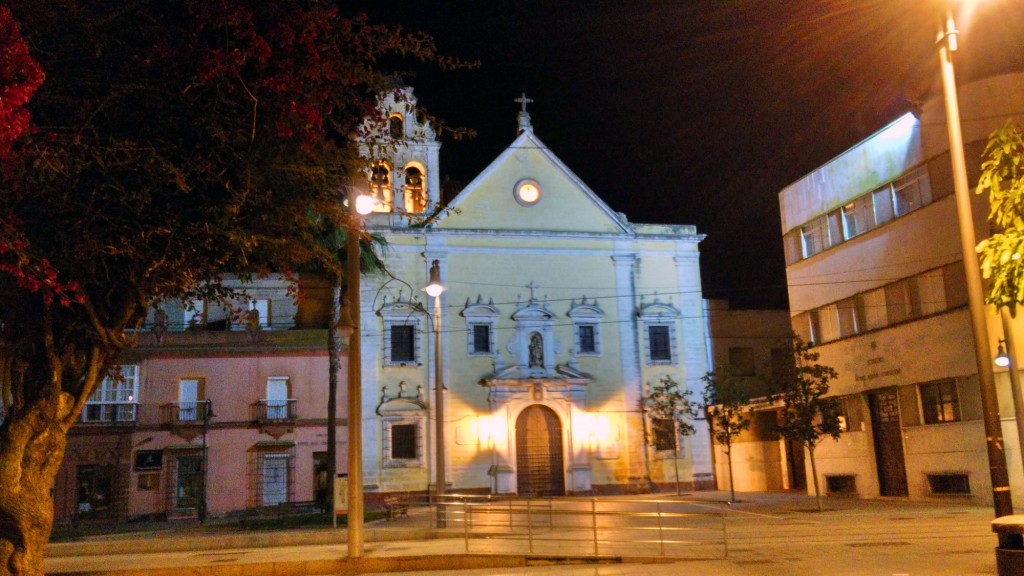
765,535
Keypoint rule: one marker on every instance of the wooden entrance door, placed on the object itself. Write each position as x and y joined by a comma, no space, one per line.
539,469
888,433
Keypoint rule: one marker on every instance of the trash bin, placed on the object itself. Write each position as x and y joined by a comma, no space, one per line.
1010,552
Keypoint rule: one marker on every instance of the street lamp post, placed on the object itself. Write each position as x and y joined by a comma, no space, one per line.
982,350
358,204
434,288
1008,358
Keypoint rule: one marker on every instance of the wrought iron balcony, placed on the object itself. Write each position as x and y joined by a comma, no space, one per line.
188,413
275,411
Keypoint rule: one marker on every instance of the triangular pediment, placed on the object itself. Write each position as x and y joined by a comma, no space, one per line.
565,204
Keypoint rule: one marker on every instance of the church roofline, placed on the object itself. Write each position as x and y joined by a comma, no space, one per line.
517,144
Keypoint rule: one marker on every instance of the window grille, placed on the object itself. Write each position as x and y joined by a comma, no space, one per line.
939,401
660,346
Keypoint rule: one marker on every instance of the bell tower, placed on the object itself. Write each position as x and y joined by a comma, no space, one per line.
402,171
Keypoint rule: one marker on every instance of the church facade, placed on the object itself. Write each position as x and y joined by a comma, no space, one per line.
558,316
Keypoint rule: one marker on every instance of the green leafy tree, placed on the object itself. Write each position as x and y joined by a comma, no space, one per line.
808,415
725,401
1002,176
173,143
671,412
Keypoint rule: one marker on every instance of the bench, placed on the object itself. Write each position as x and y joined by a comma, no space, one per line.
395,506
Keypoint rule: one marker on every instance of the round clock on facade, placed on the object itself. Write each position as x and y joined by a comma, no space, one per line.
527,192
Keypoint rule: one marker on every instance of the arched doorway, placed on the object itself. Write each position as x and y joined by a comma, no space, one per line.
539,468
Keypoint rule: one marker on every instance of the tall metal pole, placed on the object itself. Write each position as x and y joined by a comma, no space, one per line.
1014,370
439,478
982,349
355,387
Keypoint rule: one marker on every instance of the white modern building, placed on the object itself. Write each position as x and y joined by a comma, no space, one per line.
876,282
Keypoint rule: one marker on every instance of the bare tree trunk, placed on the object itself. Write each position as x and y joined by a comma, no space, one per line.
814,472
732,486
32,443
675,461
334,367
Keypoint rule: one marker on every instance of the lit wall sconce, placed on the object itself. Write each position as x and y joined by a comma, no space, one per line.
1001,359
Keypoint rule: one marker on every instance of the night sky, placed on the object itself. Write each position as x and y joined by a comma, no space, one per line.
693,111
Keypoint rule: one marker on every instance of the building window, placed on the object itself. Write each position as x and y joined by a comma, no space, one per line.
912,191
850,321
402,339
401,333
741,361
951,483
586,320
481,324
271,475
587,334
403,442
659,331
481,339
871,306
95,489
901,301
659,344
857,217
190,392
865,212
815,236
939,401
277,399
275,479
883,204
825,324
115,399
664,432
403,439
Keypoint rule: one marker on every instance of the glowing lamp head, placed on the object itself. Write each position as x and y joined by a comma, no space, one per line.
1001,359
364,204
434,288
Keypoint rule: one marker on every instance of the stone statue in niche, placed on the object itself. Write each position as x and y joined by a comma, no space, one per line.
536,351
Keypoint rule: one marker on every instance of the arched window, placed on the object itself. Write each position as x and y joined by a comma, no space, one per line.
415,191
396,127
380,187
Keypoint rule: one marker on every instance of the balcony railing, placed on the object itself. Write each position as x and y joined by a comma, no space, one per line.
109,413
273,411
188,413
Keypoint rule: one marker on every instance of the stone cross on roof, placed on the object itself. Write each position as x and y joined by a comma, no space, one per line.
524,101
524,116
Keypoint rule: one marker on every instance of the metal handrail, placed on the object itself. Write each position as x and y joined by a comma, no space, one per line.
591,527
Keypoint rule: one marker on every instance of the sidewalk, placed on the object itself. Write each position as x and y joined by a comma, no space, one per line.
768,534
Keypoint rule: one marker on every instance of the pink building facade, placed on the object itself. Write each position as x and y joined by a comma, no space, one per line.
206,416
